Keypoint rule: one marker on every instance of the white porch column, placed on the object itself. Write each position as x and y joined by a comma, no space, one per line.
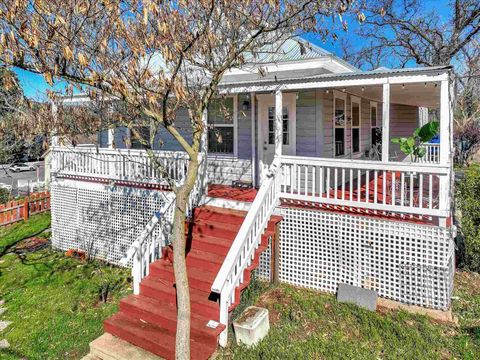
254,143
278,122
446,182
110,138
386,123
445,150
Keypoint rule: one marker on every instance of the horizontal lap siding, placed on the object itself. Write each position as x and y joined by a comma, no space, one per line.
306,124
403,122
328,124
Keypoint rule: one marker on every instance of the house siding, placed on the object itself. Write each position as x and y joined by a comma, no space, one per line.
306,127
403,121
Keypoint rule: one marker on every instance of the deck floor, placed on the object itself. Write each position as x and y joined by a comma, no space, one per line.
248,195
232,193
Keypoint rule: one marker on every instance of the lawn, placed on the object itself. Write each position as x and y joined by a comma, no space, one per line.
310,325
57,304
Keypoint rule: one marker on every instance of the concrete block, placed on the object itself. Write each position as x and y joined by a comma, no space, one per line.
252,326
361,297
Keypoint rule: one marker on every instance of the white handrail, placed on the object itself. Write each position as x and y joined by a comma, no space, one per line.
241,252
164,218
153,247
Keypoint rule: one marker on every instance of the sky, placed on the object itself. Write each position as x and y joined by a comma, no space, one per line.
35,86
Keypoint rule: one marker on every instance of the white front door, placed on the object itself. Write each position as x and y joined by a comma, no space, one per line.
266,138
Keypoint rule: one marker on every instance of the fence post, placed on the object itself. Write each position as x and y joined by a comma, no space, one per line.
26,208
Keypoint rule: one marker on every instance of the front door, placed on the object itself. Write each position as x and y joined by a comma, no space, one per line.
266,139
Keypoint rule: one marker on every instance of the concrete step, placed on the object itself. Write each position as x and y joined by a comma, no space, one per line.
109,347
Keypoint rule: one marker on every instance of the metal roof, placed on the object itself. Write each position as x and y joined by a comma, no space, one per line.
334,76
291,50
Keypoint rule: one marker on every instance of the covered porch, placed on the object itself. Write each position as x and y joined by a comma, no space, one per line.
331,135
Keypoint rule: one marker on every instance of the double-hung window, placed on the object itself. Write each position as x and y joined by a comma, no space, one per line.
221,129
339,124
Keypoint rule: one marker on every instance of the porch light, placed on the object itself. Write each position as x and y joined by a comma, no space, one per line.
363,88
246,105
343,90
403,86
327,91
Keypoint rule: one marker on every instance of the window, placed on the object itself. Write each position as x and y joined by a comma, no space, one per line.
376,130
221,133
271,126
339,123
355,125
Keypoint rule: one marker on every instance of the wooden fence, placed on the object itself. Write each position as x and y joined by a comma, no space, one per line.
18,210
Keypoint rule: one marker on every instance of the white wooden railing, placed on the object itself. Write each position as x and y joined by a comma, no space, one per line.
119,164
246,242
394,186
432,154
147,247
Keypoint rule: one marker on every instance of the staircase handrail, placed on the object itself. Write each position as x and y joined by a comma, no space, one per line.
262,208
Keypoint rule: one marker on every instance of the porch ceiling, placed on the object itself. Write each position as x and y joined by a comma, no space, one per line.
414,94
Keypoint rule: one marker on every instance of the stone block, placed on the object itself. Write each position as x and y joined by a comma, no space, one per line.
364,298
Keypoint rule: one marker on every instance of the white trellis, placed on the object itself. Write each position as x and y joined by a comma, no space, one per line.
402,261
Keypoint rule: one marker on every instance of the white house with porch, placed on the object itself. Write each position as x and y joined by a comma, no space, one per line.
305,188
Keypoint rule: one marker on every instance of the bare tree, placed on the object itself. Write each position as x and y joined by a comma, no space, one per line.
154,57
401,31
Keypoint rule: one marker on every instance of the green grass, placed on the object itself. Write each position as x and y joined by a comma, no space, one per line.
11,234
311,325
54,302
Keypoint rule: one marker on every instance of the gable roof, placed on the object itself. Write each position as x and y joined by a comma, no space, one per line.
295,49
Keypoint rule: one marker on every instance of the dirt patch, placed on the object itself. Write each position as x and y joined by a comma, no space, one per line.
31,245
271,300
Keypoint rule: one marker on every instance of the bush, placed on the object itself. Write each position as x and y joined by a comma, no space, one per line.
468,199
4,195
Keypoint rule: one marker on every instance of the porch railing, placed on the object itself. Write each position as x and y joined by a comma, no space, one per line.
147,248
119,164
390,187
242,251
432,154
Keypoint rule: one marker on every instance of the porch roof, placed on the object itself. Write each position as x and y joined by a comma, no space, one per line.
409,85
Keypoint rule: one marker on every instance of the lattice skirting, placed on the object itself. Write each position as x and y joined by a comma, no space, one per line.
99,219
406,262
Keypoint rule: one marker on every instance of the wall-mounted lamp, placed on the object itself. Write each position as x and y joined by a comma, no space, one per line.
363,88
403,86
246,105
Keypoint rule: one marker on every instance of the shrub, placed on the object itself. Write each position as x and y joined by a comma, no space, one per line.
468,199
4,195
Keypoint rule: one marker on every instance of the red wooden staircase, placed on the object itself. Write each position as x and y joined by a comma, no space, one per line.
148,320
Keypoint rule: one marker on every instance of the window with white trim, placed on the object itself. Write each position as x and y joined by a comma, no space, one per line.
285,126
356,122
221,129
376,130
339,124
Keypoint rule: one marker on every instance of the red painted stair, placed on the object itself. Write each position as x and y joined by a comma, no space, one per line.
148,320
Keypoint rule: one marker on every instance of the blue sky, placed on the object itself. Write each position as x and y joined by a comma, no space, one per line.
34,85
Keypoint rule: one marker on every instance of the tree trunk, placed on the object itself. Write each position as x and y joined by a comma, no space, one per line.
182,343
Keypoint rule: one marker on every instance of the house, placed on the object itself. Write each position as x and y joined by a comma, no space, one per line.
305,188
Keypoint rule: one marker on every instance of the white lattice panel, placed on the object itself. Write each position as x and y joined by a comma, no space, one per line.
264,270
407,262
101,220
